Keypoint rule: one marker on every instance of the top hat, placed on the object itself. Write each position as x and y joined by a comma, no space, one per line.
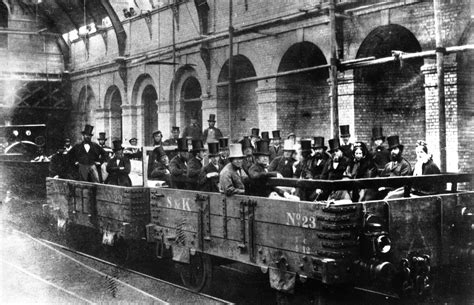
319,143
224,143
377,134
117,145
305,145
344,131
213,148
255,132
182,144
156,132
276,134
88,129
334,144
175,128
245,142
235,151
265,136
102,136
197,145
262,148
394,142
288,145
212,118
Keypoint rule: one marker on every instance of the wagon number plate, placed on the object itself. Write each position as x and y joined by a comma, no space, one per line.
298,220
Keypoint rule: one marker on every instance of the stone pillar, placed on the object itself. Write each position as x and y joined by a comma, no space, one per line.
102,123
129,122
345,89
267,105
432,121
164,118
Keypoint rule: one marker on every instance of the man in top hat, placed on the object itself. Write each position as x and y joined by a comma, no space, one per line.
173,140
258,173
212,133
381,155
178,165
346,146
192,131
59,163
254,136
102,139
223,152
302,166
118,167
195,163
232,177
133,151
247,149
275,149
87,155
284,163
161,169
397,166
319,158
336,166
209,176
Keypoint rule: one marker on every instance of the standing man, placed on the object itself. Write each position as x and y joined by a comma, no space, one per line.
254,137
178,165
212,133
223,152
195,164
247,149
87,155
346,146
335,168
118,167
381,155
232,177
173,140
284,164
209,175
158,150
397,166
193,131
275,149
102,139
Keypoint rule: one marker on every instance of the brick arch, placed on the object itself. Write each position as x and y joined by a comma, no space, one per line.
391,95
302,99
244,109
187,90
113,102
140,84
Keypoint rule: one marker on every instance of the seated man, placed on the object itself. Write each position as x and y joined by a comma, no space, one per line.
195,163
209,175
118,167
258,173
284,164
232,177
178,165
160,169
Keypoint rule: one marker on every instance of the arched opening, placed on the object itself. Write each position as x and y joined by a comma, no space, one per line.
244,109
113,101
191,100
84,110
302,99
3,15
149,99
465,102
391,95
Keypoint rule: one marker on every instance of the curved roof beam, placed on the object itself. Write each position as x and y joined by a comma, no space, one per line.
118,26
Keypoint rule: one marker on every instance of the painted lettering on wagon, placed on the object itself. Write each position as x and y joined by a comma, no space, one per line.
179,203
298,220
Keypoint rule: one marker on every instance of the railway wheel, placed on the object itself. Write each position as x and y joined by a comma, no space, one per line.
197,275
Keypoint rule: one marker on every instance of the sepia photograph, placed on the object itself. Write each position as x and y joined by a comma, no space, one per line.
237,152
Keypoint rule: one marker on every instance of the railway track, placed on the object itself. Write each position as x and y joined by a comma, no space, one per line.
56,265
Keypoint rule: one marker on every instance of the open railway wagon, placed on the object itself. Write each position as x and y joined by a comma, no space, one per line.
387,246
